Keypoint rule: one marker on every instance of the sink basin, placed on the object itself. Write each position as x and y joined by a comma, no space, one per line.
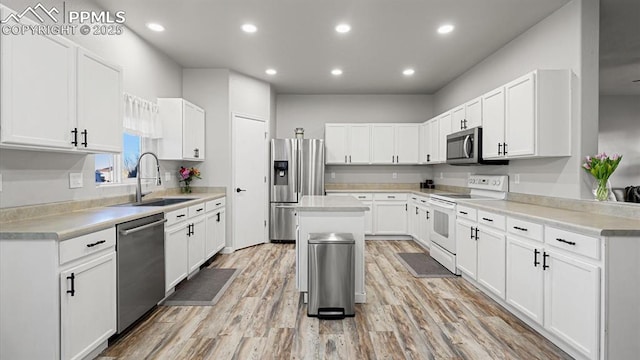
159,202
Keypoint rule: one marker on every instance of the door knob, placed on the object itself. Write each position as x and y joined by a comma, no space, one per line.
239,190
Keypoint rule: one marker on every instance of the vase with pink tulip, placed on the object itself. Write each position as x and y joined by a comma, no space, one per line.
601,167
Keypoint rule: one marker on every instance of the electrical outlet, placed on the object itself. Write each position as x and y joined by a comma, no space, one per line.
167,176
333,175
516,179
75,180
394,175
441,175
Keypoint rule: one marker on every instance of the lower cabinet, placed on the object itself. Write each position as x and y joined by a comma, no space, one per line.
491,260
216,231
467,248
176,260
196,239
424,220
390,217
525,277
87,306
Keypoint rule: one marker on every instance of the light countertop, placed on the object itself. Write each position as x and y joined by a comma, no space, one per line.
331,203
76,223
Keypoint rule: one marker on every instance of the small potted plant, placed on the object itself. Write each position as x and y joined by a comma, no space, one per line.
601,166
186,176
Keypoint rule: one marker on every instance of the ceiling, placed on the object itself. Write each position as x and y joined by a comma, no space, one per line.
619,47
297,38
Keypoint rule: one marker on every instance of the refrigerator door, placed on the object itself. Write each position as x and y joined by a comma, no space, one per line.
283,222
311,167
284,170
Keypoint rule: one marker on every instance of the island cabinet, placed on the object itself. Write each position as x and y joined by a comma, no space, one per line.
58,298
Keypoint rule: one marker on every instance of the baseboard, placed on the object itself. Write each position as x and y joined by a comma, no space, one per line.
227,250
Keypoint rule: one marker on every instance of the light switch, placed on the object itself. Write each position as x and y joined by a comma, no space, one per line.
167,176
333,175
516,179
75,180
394,175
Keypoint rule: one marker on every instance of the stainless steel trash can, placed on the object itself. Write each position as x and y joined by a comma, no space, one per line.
331,275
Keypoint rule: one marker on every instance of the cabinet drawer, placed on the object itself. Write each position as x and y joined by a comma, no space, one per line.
423,201
214,204
525,229
466,213
390,196
87,244
490,219
362,197
576,243
196,210
176,216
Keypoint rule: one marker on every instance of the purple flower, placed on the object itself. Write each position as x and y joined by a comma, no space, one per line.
588,159
586,166
615,157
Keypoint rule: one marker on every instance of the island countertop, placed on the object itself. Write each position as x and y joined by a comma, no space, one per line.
330,203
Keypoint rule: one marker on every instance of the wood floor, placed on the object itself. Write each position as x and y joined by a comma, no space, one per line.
261,316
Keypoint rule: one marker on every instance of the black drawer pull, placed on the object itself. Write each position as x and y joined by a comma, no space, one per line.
463,212
424,201
218,204
485,219
181,215
73,284
199,210
565,241
391,197
96,243
519,228
362,197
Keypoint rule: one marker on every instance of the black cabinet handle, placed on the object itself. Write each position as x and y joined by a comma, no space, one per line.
461,125
416,210
218,204
544,260
565,241
486,219
75,137
465,123
499,149
535,257
240,190
471,228
349,159
476,235
504,148
181,215
405,207
391,197
519,228
84,133
96,243
218,217
73,284
428,157
463,212
427,215
190,230
362,197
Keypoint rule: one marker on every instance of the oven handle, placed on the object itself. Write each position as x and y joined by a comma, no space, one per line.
467,153
442,204
140,228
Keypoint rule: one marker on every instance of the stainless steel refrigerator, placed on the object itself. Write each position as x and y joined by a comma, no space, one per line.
297,169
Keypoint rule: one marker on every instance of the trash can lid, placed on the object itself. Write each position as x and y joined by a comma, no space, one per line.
331,238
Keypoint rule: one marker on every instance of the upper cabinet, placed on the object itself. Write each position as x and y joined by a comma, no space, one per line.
467,116
56,95
529,117
347,143
183,130
395,143
444,129
429,144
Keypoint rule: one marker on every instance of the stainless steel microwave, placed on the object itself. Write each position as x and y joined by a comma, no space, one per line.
465,148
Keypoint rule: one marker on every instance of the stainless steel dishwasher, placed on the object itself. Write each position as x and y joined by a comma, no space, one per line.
140,267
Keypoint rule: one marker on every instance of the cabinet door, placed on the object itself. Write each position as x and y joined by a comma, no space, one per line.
520,116
193,146
433,136
87,306
493,123
210,238
99,107
466,247
491,260
525,278
458,116
422,157
382,146
220,230
359,144
176,258
196,243
390,217
38,89
473,112
572,306
444,127
335,143
407,142
368,218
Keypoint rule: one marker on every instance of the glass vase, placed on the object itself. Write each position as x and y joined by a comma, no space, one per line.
601,189
186,188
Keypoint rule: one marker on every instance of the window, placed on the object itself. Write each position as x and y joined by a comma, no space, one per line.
112,168
131,148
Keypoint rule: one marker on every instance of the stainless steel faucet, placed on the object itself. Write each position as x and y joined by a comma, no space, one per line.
139,193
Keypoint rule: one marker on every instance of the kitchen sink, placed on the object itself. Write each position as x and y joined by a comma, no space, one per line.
159,202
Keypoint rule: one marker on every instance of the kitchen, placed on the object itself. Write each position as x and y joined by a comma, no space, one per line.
556,35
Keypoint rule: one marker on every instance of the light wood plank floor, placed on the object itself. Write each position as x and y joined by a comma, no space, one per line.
261,316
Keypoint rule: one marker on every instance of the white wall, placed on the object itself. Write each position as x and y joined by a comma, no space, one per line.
620,133
37,177
312,112
567,39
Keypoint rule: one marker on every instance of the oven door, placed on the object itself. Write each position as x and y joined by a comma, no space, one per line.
462,147
443,231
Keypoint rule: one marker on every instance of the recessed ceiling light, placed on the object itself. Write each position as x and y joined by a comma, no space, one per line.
271,71
343,28
249,28
445,29
155,27
408,72
336,72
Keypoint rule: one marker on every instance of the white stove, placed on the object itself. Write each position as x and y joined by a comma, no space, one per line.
443,234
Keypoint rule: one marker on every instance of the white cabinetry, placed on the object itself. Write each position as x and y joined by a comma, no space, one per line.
347,143
529,117
176,250
49,98
390,212
183,130
525,277
196,237
467,248
430,142
491,260
216,230
61,302
383,149
444,129
467,116
395,143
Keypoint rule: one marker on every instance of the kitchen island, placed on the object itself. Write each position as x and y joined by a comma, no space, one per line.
330,214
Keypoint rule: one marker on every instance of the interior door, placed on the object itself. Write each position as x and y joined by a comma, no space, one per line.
249,193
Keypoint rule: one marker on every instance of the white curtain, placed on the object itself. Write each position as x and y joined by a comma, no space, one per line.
141,117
